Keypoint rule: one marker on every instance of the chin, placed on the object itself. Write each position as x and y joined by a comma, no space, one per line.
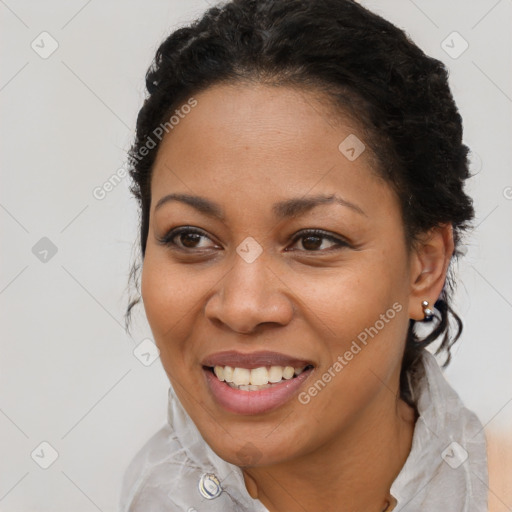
250,451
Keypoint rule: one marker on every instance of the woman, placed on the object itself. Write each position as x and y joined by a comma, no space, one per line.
300,170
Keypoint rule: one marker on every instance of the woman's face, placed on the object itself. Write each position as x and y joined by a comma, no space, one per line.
248,288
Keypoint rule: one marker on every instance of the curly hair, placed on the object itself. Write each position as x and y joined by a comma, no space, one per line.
366,67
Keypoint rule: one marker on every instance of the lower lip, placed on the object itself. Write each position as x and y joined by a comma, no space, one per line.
254,402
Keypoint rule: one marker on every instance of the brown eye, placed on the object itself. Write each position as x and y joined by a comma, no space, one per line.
189,240
312,241
185,238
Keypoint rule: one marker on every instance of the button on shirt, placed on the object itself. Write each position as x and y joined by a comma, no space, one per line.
446,469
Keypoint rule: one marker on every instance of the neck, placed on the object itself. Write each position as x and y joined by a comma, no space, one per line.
356,469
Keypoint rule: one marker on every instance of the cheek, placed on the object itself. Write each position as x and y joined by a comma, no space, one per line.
169,302
360,314
169,290
350,298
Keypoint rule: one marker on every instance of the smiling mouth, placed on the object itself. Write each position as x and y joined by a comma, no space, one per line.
256,379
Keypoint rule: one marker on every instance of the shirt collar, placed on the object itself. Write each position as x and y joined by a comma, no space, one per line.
448,457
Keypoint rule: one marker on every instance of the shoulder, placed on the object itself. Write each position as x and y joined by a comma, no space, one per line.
448,461
146,478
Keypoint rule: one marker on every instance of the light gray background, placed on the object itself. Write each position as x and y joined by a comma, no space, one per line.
68,375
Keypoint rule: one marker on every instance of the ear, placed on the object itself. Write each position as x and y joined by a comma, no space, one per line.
429,264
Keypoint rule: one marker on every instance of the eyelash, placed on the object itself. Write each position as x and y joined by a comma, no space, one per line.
167,240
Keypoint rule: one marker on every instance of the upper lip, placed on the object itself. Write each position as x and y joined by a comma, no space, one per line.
253,359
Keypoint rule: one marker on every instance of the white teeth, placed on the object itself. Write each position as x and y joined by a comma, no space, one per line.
259,376
256,378
275,374
288,372
241,376
249,387
228,373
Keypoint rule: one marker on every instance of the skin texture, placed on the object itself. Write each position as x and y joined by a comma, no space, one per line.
247,146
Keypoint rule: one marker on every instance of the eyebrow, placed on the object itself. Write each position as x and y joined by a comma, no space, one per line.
282,210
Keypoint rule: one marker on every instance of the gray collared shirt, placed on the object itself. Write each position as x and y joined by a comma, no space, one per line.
446,469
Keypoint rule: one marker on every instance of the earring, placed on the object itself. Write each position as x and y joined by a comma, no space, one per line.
428,312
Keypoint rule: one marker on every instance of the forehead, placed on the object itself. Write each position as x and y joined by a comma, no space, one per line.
253,141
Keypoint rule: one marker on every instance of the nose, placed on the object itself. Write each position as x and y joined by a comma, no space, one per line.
250,294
